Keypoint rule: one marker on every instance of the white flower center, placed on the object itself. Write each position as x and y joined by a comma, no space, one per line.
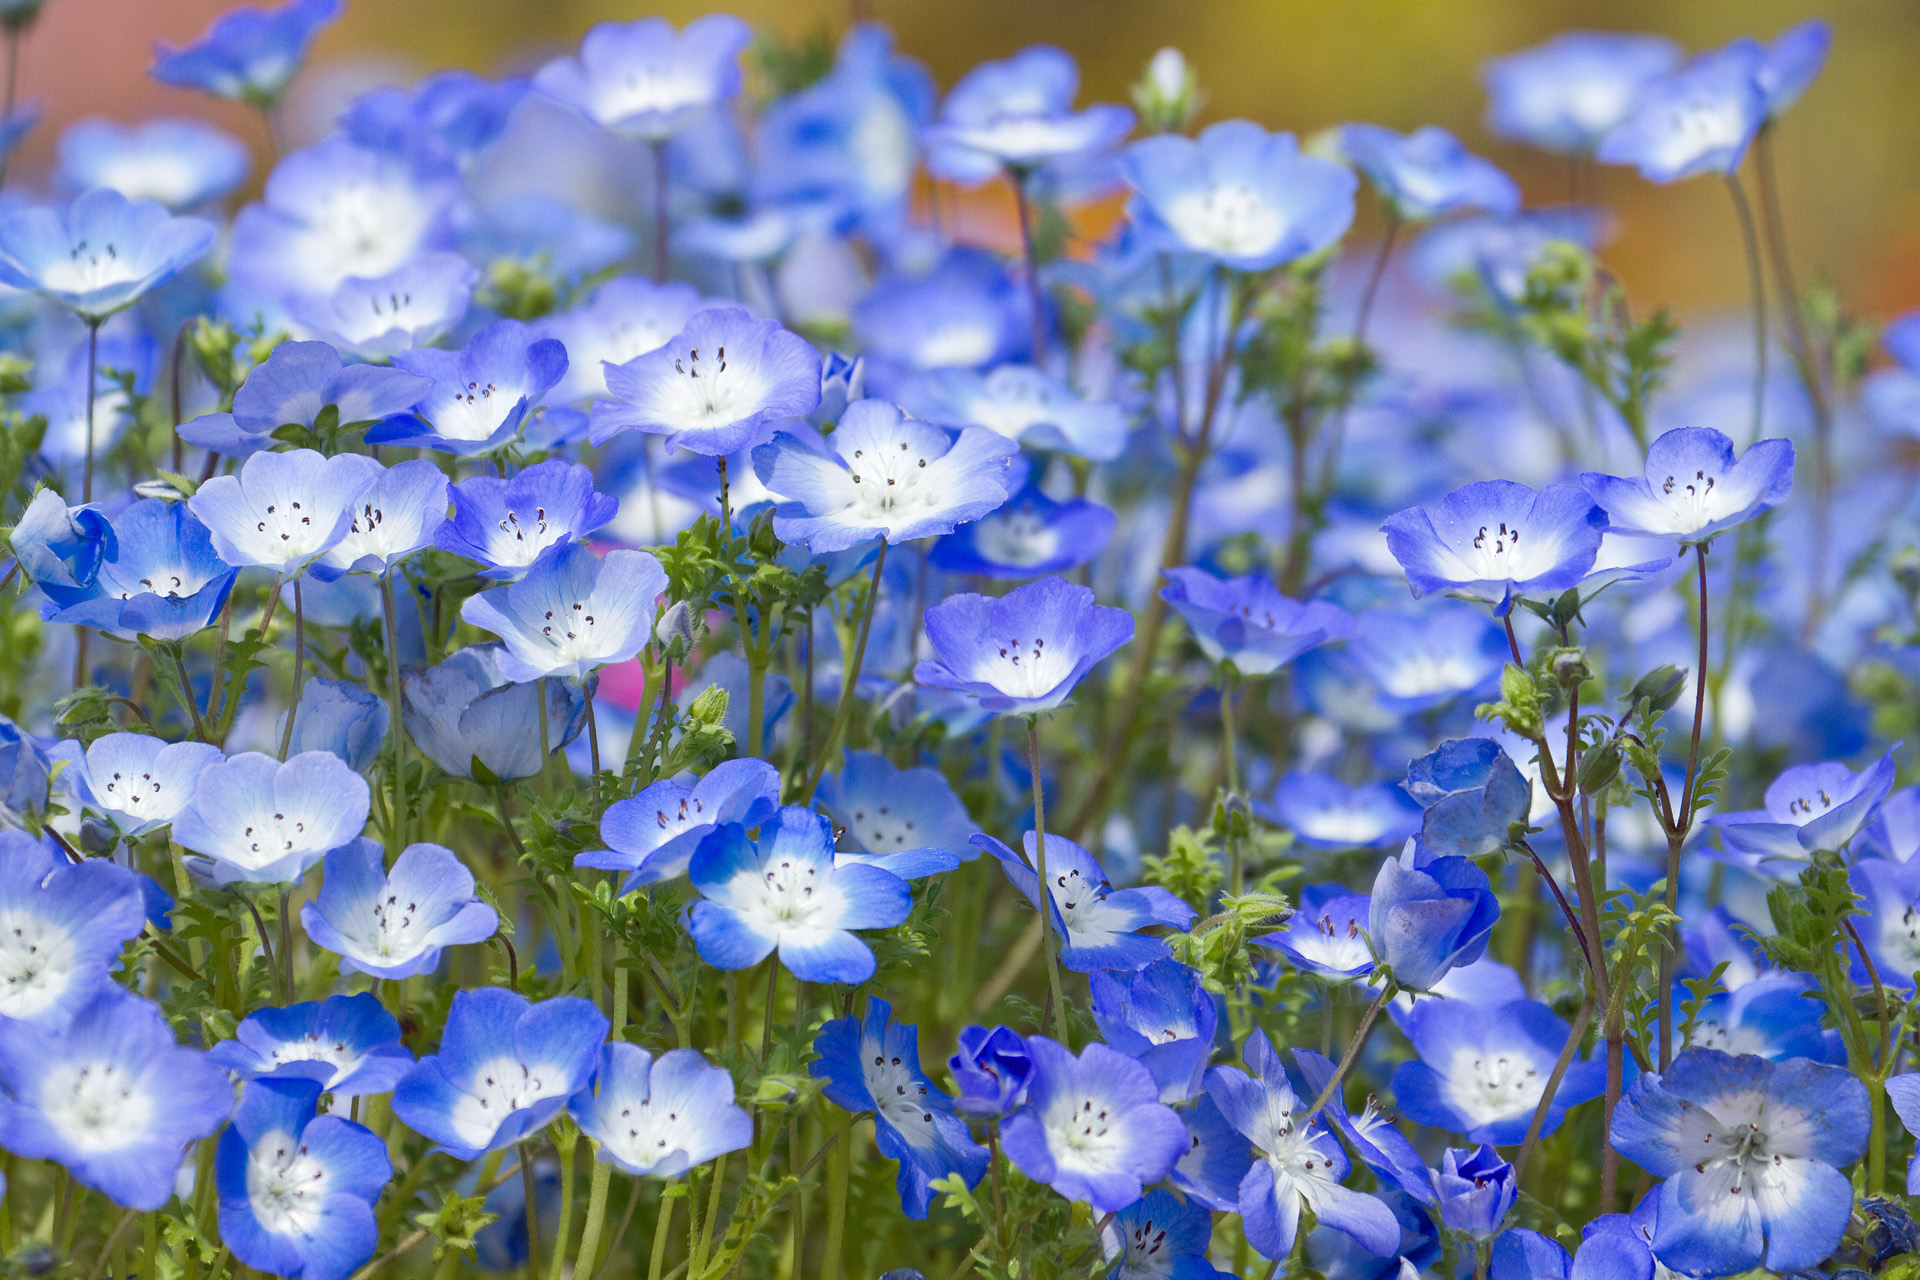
1146,1256
1085,1135
1337,944
1692,497
1019,538
897,1096
311,1048
879,829
518,539
37,962
1487,1086
288,529
652,1133
393,929
96,1106
569,629
1229,219
711,393
1027,669
286,1186
887,483
475,411
88,267
787,896
1420,674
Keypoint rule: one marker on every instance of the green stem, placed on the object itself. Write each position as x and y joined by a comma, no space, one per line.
657,1257
849,682
399,833
1035,296
620,1232
1757,282
186,692
1056,1004
838,1178
564,1145
299,668
530,1185
1354,1047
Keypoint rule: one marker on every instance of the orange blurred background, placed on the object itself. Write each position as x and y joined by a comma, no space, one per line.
1850,169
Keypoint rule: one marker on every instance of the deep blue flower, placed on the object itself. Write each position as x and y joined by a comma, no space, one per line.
1472,793
1477,1190
59,546
401,512
508,525
175,163
1248,622
1338,1256
1751,1152
572,613
1327,934
1098,925
505,1068
1699,120
1493,540
137,782
1523,1254
1482,1071
1217,1158
467,709
887,811
250,55
25,773
297,1189
873,1064
1164,1016
1093,1127
1030,535
1372,1135
1694,489
1424,920
1426,173
450,116
152,571
645,80
1018,114
1420,660
101,253
255,818
293,387
481,393
1022,652
394,924
652,835
111,1096
991,1070
1021,403
1771,1017
1889,923
1159,1237
1808,807
348,1045
965,312
1237,194
1325,813
66,926
660,1116
415,305
283,511
339,717
1567,94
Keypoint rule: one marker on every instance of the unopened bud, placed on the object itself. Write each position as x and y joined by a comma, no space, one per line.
1167,94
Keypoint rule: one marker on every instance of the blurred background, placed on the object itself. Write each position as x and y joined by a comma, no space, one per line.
1850,169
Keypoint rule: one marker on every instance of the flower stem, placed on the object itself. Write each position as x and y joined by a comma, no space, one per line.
529,1185
1354,1047
1682,822
564,1141
660,223
1757,283
838,1178
393,708
93,374
664,1220
1023,202
849,682
1567,1052
299,668
1056,1005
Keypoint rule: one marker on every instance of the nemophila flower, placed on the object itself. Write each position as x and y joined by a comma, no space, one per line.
1521,1254
1022,652
110,1096
1030,535
1472,794
991,1071
297,385
784,892
1420,660
506,1067
1482,1071
258,819
572,612
387,315
1771,1017
60,546
1751,1152
964,313
1097,924
297,1189
1903,1091
101,253
1327,934
1493,540
348,1045
1022,403
1216,1159
1695,489
1297,1163
509,524
1245,198
873,1064
1792,62
652,835
645,80
284,510
466,710
1894,833
1424,920
1371,1135
1162,1015
481,393
175,163
394,924
451,115
401,512
139,783
1699,120
1808,807
65,924
889,811
1159,1237
1477,1190
1715,936
1567,94
24,775
1338,1256
1248,622
1427,173
157,573
624,318
1890,924
1326,813
713,387
1093,1127
660,1116
1017,114
250,55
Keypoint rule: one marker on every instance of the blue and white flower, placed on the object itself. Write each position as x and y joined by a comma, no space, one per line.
1482,1071
294,387
390,314
1098,925
1472,793
622,320
255,818
1421,660
1029,536
1423,920
348,1045
151,571
1018,114
1695,489
250,55
1570,92
1093,1127
64,926
1326,813
1427,173
1699,120
1477,1190
645,80
401,512
394,924
888,812
339,717
1808,807
101,253
283,511
179,164
1021,403
138,782
466,710
507,525
1494,540
1022,652
1327,934
657,1117
481,394
1246,621
573,612
652,835
1159,1237
1162,1015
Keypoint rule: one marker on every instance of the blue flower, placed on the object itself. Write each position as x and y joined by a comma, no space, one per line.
1246,621
1326,934
1567,94
1521,1254
1159,1237
123,1127
1338,1256
1300,1164
1808,807
1162,1015
60,546
403,511
1426,173
887,812
884,474
785,892
1098,925
1018,114
1477,1190
250,55
506,1067
255,818
1792,62
1890,922
1700,119
571,613
1424,920
450,116
1237,194
1371,1135
965,312
465,709
1751,1152
1217,1158
1472,794
718,402
297,1189
386,315
394,924
1093,1127
1021,403
1903,1091
283,511
293,387
339,717
1493,540
1022,652
347,1045
652,835
151,571
873,1064
25,772
1770,1015
991,1071
1694,489
1326,813
99,255
480,394
622,320
660,1116
1421,660
1482,1071
175,163
137,782
508,525
645,80
66,926
1031,535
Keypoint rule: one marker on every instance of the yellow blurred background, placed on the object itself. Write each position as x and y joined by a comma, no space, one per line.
1850,164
